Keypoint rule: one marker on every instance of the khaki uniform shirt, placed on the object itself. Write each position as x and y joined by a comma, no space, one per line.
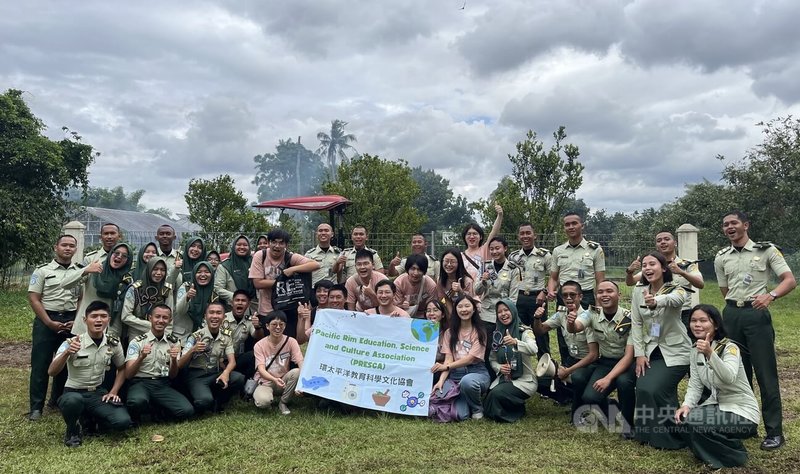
239,331
172,272
133,316
491,291
433,267
156,364
99,254
661,327
326,259
350,265
745,273
87,367
217,349
723,373
46,281
579,263
612,336
533,269
577,343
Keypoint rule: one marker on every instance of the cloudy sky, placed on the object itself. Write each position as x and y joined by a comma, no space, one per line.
651,91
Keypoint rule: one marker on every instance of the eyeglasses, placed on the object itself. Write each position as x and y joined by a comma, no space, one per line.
123,256
569,295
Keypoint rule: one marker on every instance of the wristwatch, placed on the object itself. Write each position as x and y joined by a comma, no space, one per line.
773,295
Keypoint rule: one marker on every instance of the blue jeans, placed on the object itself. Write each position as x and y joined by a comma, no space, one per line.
473,380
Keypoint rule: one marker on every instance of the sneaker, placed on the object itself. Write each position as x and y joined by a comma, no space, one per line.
478,415
284,409
34,415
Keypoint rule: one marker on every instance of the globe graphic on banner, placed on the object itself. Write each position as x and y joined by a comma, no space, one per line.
424,330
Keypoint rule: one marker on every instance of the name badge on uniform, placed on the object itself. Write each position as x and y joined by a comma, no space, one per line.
748,278
581,273
466,345
655,329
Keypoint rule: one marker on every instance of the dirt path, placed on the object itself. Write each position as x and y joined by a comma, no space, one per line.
15,354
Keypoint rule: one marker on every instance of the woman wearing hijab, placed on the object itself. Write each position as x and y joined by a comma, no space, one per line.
103,286
193,252
151,290
147,252
213,258
513,345
192,299
231,275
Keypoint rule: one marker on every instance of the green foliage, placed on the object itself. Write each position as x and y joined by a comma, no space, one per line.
219,208
34,177
383,193
115,198
292,170
541,186
333,146
444,210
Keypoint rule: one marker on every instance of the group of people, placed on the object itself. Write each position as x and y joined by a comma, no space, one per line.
185,333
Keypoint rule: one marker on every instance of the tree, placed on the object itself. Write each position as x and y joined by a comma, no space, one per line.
383,193
112,198
541,185
292,170
334,145
35,174
221,211
769,176
444,210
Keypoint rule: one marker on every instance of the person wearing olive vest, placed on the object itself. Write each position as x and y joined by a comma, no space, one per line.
87,357
743,271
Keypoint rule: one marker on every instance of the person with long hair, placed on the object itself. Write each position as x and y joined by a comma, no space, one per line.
494,284
438,312
463,347
661,347
454,281
476,247
715,428
512,347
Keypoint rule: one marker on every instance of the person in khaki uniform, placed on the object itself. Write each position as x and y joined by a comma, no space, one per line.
151,363
715,427
614,369
165,235
685,273
661,347
144,294
205,352
535,265
244,327
418,247
109,237
325,254
87,357
55,309
232,274
582,349
578,260
743,273
346,263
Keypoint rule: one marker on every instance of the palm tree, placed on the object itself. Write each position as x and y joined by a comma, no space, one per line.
335,144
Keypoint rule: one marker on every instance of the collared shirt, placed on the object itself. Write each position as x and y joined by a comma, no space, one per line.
612,336
87,367
533,268
172,271
579,263
156,364
433,267
217,349
350,265
326,259
99,254
577,343
745,273
680,280
46,281
238,331
661,327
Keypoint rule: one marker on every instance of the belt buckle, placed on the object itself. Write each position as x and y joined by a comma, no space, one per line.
740,304
91,389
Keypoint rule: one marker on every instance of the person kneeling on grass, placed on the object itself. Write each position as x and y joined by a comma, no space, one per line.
714,428
87,356
463,349
273,355
205,353
512,348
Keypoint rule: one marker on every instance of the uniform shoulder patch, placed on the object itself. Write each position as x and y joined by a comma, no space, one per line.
541,252
593,245
724,251
140,337
137,284
668,288
167,285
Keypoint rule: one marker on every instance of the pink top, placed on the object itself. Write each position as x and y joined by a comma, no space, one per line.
265,350
408,291
398,312
270,269
468,344
480,258
355,290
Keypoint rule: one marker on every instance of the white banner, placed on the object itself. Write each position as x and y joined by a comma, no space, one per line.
371,361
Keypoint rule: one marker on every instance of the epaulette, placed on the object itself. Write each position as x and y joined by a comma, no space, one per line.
515,252
431,257
639,283
541,252
594,309
112,340
336,249
721,345
79,265
668,288
561,309
140,337
137,284
196,335
688,289
167,285
348,249
226,331
762,245
43,265
172,338
226,324
724,251
91,253
593,245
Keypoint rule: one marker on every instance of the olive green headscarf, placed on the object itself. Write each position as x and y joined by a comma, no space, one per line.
187,269
107,282
204,295
140,264
239,268
505,354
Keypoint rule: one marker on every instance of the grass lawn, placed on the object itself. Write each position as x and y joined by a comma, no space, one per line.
246,439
